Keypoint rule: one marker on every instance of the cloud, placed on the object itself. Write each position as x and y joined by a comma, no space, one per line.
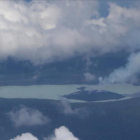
27,117
66,106
44,31
69,111
25,136
89,77
125,74
41,31
61,133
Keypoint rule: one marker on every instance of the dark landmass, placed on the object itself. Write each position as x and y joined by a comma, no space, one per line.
94,95
118,120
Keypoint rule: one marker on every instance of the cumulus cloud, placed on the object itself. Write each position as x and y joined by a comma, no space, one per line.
61,133
27,117
44,31
25,136
125,74
69,111
89,77
66,106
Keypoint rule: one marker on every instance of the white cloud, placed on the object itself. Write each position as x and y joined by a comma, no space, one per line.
27,117
89,77
99,22
61,133
43,31
81,112
127,73
66,106
25,136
